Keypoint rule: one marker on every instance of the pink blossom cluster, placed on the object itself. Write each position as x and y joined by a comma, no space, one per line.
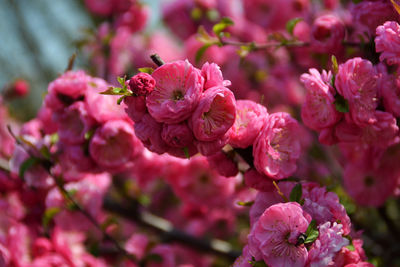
187,110
281,233
356,108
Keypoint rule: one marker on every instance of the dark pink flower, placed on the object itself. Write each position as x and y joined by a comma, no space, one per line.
214,115
135,107
177,92
277,147
142,84
177,135
387,41
327,34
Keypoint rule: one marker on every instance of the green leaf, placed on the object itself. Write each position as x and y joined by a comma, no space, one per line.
341,104
296,193
312,232
245,203
147,70
45,152
335,66
120,99
255,263
196,13
291,24
121,81
154,257
204,37
200,52
89,134
28,163
351,247
222,25
212,15
49,215
54,138
186,152
145,200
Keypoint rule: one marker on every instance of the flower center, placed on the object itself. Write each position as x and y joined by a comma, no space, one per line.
177,95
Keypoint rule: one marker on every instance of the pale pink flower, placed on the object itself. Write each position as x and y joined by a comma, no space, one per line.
214,115
357,81
114,145
250,118
387,41
177,92
137,245
325,206
302,31
244,259
277,148
329,242
327,34
213,76
275,235
318,110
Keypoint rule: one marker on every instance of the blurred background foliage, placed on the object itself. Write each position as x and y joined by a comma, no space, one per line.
37,37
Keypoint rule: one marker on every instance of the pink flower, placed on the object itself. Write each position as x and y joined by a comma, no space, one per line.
357,81
36,175
88,192
261,182
327,34
387,41
20,88
383,133
370,186
66,89
135,18
330,241
277,147
210,148
177,135
114,145
135,107
318,110
214,115
142,84
213,76
177,92
195,182
273,238
74,123
103,107
250,118
137,245
389,89
347,256
244,259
